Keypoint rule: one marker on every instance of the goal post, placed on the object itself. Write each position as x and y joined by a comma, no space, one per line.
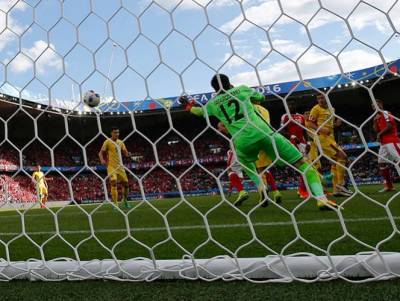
359,268
168,208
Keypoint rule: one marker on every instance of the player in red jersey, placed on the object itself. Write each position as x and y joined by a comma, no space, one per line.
386,128
294,125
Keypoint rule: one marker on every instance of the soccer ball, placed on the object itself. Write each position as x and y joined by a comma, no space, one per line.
91,98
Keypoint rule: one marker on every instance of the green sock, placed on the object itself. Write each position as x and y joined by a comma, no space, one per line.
313,179
125,194
251,170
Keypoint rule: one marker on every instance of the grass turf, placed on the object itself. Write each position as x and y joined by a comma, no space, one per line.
186,290
365,221
94,231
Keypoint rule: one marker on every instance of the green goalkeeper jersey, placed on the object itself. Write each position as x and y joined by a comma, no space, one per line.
235,109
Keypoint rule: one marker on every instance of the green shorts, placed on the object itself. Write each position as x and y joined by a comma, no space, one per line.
288,153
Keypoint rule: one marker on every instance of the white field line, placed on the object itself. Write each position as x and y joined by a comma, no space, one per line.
196,227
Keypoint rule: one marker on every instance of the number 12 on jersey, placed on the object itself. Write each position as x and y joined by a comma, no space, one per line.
225,108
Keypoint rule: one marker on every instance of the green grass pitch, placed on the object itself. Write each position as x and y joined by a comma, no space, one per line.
367,224
365,221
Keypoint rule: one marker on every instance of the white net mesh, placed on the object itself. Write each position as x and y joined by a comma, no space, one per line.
182,219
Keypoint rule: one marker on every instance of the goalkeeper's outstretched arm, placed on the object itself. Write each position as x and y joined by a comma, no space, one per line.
188,104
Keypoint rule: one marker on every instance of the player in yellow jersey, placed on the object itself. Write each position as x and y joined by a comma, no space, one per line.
264,161
322,120
312,155
41,185
110,155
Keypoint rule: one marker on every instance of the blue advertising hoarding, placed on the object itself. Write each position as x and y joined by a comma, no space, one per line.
279,88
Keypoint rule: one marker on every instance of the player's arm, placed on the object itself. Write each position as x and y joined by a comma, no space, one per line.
48,179
253,95
188,104
312,119
387,128
338,122
305,134
125,151
34,176
257,97
284,120
313,122
197,111
375,123
103,153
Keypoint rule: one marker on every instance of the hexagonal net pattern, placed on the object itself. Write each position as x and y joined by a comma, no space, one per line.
144,186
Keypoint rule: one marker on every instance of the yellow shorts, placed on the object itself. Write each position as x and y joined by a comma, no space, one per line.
329,146
118,174
43,190
263,160
313,155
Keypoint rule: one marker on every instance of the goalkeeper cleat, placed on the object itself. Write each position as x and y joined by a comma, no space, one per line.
326,205
277,196
243,196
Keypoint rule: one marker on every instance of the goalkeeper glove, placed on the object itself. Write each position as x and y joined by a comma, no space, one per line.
186,102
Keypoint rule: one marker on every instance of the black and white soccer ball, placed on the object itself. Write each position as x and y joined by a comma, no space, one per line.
91,99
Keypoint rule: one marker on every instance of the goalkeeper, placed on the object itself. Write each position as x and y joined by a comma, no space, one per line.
251,134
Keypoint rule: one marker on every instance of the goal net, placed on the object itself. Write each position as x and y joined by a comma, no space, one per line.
168,179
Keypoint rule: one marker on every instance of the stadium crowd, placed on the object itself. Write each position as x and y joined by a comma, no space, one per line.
175,157
176,160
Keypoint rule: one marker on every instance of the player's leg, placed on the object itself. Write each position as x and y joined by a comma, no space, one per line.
312,157
334,177
230,187
125,187
314,182
302,191
235,181
390,152
45,195
114,188
262,163
235,178
41,201
334,151
291,155
125,191
40,196
247,158
387,179
270,181
341,159
384,168
394,151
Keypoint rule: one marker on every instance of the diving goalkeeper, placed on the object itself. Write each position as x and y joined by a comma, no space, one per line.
251,134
